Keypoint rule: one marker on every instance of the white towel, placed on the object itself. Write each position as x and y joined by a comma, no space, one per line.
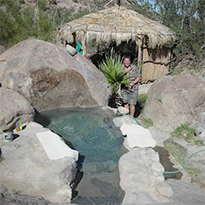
54,147
137,136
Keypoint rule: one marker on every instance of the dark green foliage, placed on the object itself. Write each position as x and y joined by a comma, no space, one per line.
6,27
38,21
182,18
111,68
185,18
142,99
42,5
16,25
21,1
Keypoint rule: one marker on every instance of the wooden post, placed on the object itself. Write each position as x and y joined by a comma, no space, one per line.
83,44
140,53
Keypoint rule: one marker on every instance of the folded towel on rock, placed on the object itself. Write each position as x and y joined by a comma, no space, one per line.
55,147
137,136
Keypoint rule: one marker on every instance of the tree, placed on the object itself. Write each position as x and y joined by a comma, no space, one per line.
186,18
19,23
16,24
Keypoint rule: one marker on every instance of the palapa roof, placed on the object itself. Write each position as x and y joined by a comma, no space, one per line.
116,24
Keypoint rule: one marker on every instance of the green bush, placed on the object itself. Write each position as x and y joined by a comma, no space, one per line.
179,131
45,27
187,133
142,99
42,5
19,22
16,24
111,68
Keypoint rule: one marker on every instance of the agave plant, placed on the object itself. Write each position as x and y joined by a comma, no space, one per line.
111,67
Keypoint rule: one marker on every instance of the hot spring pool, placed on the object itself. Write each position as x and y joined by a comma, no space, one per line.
89,131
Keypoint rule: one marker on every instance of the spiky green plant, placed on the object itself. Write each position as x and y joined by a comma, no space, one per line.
111,68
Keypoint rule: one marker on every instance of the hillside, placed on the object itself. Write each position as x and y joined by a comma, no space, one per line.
40,19
76,5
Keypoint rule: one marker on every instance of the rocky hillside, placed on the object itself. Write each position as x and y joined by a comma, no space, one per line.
40,19
76,5
68,4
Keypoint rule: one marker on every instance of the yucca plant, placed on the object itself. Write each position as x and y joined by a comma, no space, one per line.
111,67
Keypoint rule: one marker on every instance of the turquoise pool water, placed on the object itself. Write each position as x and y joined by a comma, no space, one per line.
91,132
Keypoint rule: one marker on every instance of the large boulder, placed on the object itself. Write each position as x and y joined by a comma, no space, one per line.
13,107
27,168
175,100
49,77
141,177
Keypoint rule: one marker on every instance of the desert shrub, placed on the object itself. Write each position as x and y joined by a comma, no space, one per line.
142,99
186,132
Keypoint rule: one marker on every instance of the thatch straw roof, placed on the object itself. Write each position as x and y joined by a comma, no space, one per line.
116,24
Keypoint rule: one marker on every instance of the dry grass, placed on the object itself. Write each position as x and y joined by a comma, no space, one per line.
117,24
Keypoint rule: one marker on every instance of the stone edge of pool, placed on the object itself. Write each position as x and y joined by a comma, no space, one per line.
138,146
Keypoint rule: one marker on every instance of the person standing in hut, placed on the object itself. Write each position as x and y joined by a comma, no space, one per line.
129,92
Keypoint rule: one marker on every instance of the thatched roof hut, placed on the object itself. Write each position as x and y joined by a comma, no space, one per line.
98,30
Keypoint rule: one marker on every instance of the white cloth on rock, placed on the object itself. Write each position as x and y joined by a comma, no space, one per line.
55,147
137,136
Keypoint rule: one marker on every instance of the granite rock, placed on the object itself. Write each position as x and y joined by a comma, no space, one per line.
13,107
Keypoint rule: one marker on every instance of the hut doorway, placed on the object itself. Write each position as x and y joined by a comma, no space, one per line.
125,48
